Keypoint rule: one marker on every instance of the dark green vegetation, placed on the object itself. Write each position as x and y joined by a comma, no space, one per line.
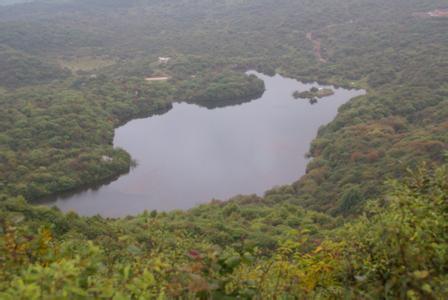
313,94
21,69
58,137
221,89
247,248
57,128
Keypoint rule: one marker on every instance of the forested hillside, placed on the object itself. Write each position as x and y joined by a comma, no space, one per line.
72,71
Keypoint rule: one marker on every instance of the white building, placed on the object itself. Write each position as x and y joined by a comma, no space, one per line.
164,60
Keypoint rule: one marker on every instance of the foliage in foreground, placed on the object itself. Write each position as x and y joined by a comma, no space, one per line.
396,250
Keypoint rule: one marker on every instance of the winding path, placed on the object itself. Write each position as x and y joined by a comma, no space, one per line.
317,46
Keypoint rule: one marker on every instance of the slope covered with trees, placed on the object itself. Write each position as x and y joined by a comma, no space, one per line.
403,116
340,231
243,248
58,137
20,69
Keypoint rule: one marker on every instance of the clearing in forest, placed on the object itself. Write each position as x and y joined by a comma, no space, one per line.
317,46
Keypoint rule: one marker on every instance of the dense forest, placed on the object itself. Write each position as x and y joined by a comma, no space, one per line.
367,221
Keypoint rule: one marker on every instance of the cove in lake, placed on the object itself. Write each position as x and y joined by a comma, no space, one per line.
193,154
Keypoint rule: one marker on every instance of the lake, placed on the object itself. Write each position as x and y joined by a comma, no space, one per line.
193,154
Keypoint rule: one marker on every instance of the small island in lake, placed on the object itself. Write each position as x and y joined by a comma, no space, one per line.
313,94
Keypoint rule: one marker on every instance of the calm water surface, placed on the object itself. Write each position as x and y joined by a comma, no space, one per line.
192,154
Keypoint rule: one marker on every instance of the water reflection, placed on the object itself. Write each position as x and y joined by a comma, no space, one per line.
224,103
191,154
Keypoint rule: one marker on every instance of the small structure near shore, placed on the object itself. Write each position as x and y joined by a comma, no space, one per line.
164,60
160,78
